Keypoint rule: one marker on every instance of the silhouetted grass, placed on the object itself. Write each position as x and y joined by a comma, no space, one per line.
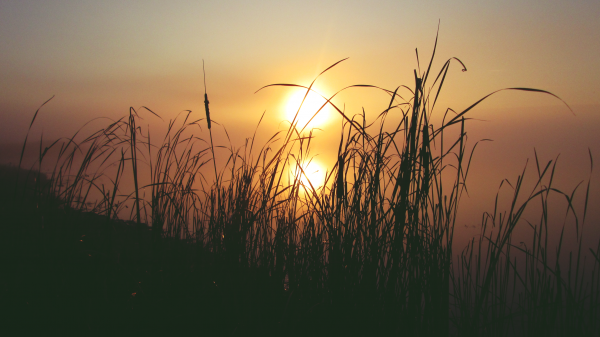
255,249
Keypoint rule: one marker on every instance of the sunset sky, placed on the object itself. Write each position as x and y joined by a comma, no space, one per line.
101,57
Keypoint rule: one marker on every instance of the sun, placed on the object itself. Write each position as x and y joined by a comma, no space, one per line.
311,105
313,174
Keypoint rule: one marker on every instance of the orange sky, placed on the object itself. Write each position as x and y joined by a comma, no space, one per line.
101,57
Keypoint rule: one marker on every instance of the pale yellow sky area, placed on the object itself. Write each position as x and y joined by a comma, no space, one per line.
100,58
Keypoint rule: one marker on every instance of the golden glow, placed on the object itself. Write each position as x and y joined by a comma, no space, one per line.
311,105
313,174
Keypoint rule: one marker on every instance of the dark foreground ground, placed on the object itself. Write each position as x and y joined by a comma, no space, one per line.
66,272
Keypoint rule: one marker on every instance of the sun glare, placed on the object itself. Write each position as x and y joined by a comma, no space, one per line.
313,174
311,105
